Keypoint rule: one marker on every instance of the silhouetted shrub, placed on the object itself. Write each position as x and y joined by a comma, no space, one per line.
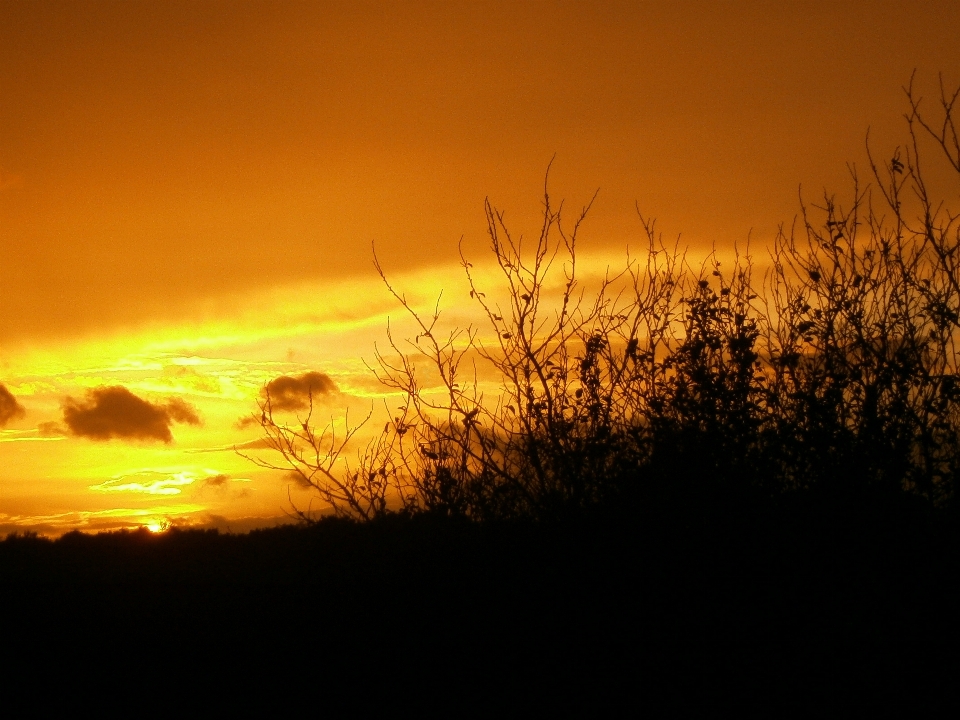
670,381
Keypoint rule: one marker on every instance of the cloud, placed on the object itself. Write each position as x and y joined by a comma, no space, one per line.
183,377
258,444
115,412
216,480
245,422
222,484
10,409
182,412
151,482
294,392
165,482
51,429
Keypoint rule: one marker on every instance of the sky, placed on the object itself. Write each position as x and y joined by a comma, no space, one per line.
190,195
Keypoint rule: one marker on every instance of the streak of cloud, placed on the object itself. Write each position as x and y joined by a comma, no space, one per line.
150,482
258,444
115,412
10,409
20,436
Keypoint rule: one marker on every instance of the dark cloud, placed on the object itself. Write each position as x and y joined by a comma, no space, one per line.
115,412
216,480
182,412
10,409
293,392
246,421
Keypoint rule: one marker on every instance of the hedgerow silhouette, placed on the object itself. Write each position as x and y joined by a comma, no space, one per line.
836,372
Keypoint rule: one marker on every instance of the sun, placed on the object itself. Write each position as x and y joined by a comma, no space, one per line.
157,526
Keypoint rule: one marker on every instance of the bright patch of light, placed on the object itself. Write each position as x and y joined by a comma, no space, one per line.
151,482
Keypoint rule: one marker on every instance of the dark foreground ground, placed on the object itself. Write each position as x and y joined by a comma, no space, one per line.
801,571
720,606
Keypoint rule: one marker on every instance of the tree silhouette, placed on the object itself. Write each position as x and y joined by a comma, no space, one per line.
837,372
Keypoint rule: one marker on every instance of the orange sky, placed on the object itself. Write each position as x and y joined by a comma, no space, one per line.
189,191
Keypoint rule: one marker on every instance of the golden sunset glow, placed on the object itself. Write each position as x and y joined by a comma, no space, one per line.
191,195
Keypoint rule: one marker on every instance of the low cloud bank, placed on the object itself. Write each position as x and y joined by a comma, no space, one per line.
115,412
